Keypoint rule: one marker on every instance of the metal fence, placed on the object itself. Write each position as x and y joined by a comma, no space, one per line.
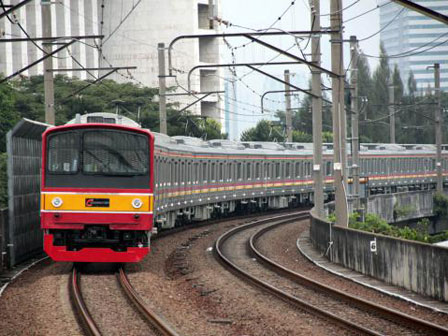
24,236
3,226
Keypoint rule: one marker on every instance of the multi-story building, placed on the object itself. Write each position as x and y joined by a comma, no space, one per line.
132,31
134,40
415,41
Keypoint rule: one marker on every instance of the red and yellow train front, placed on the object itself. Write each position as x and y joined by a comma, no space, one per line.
97,193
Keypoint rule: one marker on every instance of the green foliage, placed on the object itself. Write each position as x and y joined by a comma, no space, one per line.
3,182
265,130
375,224
332,218
401,211
440,205
299,136
8,115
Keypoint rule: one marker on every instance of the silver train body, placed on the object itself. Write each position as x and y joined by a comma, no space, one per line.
196,180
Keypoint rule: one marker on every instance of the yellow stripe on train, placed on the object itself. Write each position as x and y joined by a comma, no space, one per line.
97,202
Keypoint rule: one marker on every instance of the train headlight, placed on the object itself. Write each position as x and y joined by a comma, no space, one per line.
137,203
57,202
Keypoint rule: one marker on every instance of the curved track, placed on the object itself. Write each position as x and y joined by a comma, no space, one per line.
248,234
89,324
389,314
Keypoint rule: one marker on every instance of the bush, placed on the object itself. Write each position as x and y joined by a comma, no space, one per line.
440,207
375,224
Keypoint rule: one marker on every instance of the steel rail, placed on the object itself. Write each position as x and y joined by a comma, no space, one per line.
220,255
86,318
152,317
405,320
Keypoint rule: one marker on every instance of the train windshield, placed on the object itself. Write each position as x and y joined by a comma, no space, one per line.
98,152
114,153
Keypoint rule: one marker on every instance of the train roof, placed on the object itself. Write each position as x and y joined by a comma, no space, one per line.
197,145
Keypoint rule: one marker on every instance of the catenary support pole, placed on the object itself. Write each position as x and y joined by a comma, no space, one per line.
438,120
392,111
337,111
162,88
355,119
48,64
288,106
317,112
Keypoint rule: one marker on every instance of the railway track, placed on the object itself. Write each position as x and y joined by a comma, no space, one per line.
89,324
247,241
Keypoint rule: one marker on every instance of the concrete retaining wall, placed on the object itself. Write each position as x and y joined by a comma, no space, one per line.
422,268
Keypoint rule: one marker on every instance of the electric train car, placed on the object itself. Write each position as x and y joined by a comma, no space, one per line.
97,191
98,174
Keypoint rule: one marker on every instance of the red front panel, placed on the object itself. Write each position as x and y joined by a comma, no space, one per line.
60,253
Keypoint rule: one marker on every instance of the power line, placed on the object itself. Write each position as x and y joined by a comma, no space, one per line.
134,6
385,26
367,12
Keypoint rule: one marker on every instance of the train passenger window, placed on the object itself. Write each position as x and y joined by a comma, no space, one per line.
230,171
239,171
298,172
248,173
327,165
287,170
257,170
176,172
204,172
182,173
277,170
221,172
212,172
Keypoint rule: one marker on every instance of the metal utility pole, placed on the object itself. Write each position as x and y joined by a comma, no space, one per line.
288,106
355,119
317,112
48,64
392,111
438,120
337,111
162,88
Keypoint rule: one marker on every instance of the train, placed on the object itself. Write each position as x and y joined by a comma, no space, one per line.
108,185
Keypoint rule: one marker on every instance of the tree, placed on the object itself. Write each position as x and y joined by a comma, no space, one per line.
265,130
8,116
412,84
379,98
397,84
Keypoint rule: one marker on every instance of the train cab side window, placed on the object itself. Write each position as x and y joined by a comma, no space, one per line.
63,153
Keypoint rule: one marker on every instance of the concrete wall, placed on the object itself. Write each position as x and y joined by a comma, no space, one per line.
419,204
422,268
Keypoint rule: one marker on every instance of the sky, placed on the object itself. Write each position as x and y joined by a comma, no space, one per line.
259,14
